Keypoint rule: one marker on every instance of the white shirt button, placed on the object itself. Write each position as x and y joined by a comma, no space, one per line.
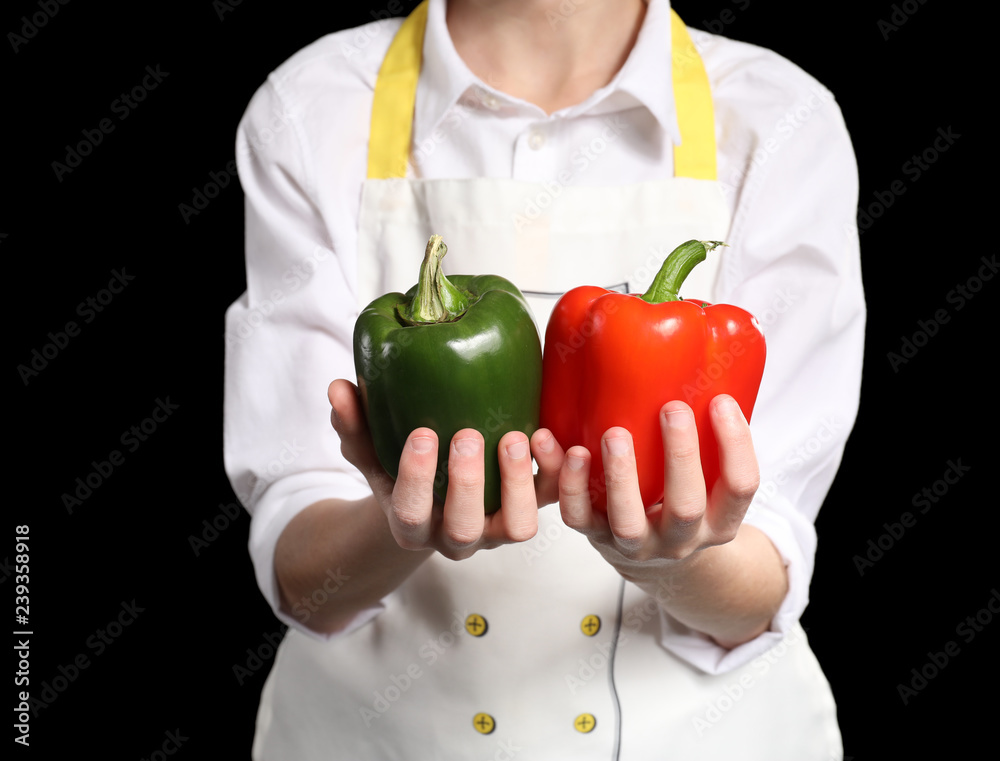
536,139
489,100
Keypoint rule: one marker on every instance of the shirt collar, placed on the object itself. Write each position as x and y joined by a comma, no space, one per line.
646,75
644,80
445,77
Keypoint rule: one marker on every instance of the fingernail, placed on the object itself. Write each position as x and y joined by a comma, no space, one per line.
617,446
517,450
726,405
422,444
681,418
575,462
467,447
547,444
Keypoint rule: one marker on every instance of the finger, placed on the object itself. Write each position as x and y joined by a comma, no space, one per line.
517,520
464,518
739,475
574,490
412,500
549,456
346,413
626,514
684,482
348,420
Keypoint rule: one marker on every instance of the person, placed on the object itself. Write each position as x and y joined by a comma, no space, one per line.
557,144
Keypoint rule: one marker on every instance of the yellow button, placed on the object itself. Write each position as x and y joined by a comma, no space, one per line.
476,625
590,625
483,723
585,722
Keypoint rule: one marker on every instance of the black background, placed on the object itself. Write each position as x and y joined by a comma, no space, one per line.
161,340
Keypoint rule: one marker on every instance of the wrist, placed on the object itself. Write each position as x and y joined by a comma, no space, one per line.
337,559
729,592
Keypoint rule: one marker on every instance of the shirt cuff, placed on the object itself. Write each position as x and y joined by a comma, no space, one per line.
795,539
276,507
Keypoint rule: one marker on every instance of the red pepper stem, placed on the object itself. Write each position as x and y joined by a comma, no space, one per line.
436,299
676,267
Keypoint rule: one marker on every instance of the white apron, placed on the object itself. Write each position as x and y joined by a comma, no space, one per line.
537,651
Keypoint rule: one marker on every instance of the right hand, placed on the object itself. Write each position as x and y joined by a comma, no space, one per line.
460,527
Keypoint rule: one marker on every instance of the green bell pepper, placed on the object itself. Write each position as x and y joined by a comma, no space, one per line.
451,353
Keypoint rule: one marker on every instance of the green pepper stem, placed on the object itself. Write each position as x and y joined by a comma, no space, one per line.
436,299
676,267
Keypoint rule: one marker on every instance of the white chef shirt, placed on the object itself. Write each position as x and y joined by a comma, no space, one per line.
785,162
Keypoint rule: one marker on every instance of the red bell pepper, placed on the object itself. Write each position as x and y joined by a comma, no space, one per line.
614,359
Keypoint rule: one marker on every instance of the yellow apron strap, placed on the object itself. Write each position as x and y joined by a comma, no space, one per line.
695,156
395,96
396,92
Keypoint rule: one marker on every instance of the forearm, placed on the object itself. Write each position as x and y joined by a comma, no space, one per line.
337,558
730,592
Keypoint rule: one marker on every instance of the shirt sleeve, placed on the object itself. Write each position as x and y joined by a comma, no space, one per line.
793,262
286,338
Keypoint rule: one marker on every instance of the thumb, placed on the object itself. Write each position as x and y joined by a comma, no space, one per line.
348,419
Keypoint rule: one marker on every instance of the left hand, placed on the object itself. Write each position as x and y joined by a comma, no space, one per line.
640,542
